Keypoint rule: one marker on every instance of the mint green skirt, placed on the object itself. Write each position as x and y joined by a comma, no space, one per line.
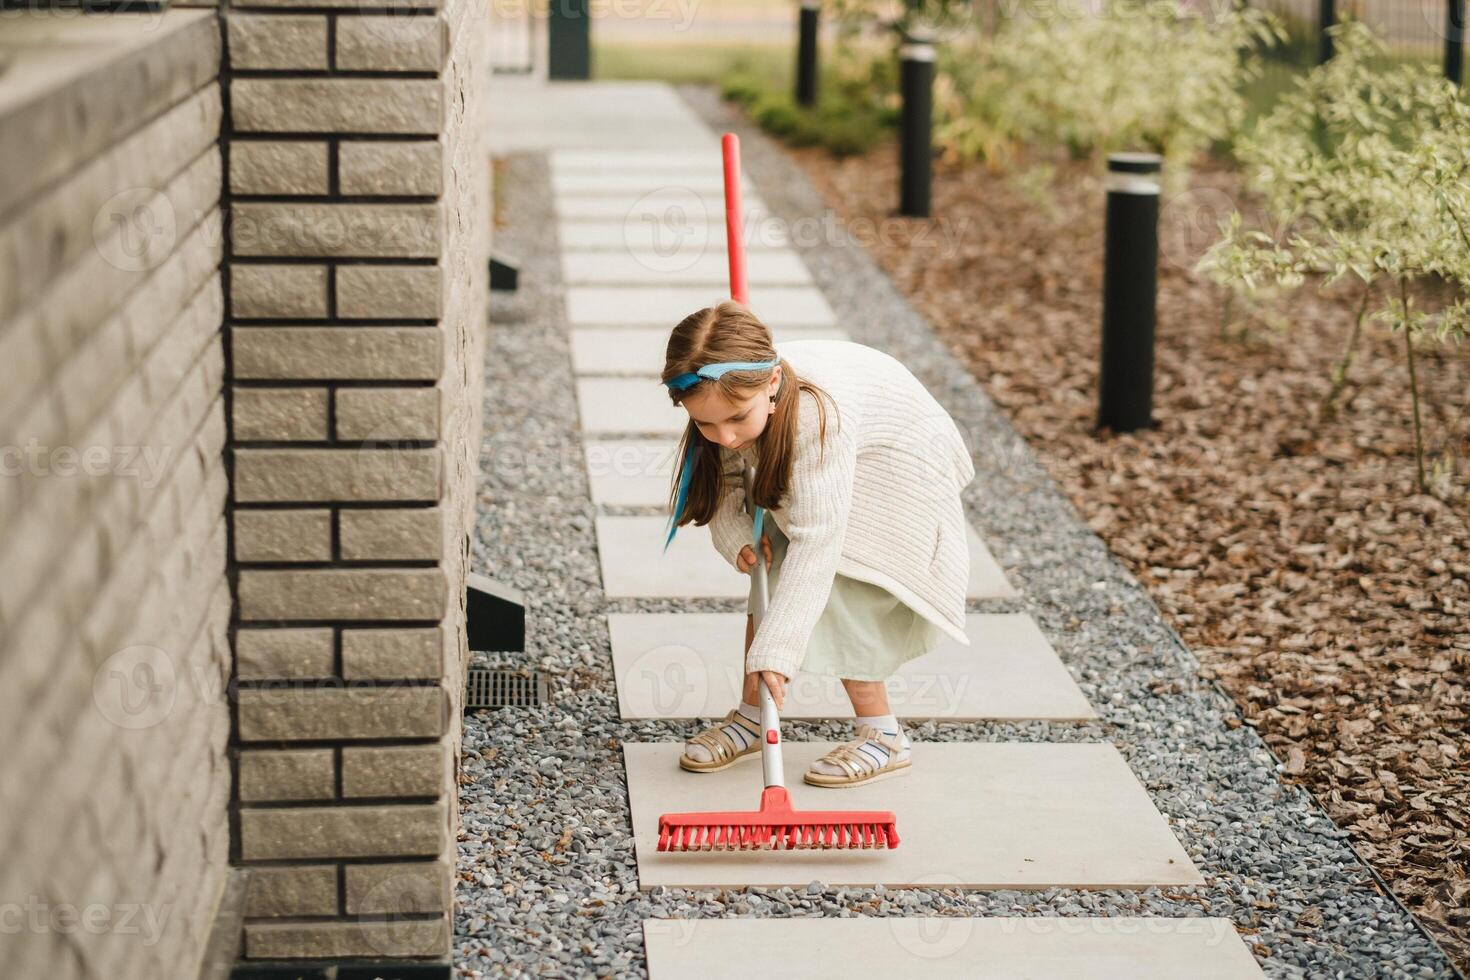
865,632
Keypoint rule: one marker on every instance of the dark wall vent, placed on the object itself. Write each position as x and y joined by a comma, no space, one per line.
504,689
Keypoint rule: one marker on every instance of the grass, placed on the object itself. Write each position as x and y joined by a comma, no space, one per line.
691,61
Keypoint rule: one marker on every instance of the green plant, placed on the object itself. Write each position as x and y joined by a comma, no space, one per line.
1363,173
857,104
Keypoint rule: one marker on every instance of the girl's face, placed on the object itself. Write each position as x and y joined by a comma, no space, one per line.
732,424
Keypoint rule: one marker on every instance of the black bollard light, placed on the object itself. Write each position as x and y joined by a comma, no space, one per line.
916,79
1130,263
1326,17
806,54
1454,41
569,40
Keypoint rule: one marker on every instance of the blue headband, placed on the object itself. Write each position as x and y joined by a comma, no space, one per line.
688,380
715,370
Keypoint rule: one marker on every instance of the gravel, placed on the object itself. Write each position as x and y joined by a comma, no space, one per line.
547,879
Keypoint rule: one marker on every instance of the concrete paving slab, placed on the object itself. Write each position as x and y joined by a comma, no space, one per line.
631,548
527,115
671,205
707,181
628,405
630,472
982,815
634,564
689,665
640,350
636,306
653,234
682,266
634,161
949,948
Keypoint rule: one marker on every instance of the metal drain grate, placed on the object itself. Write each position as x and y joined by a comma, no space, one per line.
504,689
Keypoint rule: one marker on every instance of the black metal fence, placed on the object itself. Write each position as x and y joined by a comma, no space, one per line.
1417,29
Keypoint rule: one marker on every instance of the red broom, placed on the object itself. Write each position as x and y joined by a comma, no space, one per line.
775,825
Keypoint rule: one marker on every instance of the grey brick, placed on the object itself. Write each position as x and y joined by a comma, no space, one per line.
274,892
297,774
381,291
394,770
273,229
364,474
346,353
390,43
376,414
393,938
277,41
278,292
267,654
341,832
283,535
279,414
337,105
392,654
356,711
342,593
398,168
398,889
278,166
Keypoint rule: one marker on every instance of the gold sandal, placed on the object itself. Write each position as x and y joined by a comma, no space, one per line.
859,767
723,751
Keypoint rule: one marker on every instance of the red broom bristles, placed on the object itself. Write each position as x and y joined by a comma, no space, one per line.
777,827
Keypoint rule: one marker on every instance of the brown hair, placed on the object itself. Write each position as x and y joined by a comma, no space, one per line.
729,331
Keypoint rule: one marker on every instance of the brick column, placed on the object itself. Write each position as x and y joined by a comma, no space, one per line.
356,260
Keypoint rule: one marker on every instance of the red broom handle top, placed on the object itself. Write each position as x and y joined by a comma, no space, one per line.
734,233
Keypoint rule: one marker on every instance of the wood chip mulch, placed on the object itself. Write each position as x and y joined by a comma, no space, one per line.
1295,558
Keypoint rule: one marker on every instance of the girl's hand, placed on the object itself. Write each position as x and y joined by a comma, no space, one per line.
745,561
776,681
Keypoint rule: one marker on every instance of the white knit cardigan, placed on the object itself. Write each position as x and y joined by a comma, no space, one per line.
880,504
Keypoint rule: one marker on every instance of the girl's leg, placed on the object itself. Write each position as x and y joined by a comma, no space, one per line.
868,698
743,736
870,705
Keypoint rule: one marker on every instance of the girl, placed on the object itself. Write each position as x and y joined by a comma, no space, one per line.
860,471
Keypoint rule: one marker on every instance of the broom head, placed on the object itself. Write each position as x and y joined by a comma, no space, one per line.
777,827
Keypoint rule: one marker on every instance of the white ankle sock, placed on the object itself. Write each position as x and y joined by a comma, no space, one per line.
738,735
876,753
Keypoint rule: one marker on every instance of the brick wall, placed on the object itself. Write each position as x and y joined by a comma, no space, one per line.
356,270
114,602
237,473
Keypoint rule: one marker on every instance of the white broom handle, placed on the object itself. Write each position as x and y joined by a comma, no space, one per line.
770,719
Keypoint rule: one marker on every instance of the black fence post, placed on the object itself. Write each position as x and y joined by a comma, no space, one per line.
569,39
1454,40
916,79
1326,17
806,53
1130,264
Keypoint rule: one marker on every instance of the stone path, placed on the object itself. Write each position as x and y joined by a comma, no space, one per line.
1076,801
